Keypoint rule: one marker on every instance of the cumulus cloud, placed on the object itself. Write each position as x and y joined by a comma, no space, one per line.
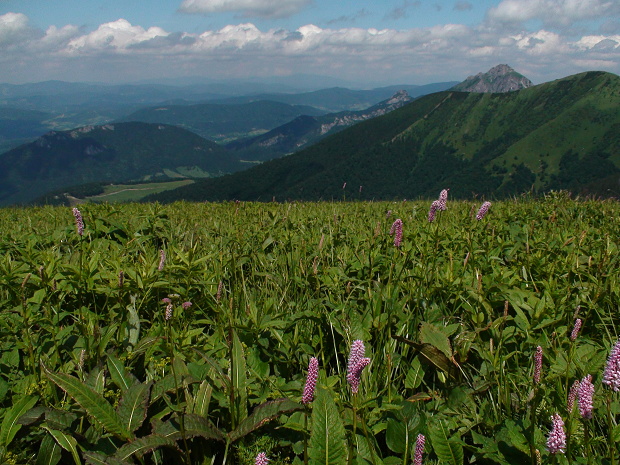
120,50
552,12
247,8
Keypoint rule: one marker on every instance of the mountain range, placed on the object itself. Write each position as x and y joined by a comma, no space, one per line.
558,135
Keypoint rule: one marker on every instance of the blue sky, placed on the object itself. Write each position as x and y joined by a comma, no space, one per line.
362,42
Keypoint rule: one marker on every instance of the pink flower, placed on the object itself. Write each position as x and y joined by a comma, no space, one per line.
556,442
261,459
313,374
585,393
168,312
166,300
419,449
357,362
186,305
575,332
79,222
572,395
397,232
433,210
611,375
483,210
538,356
162,260
443,200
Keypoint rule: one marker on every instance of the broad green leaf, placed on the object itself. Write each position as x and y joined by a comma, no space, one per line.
67,442
397,436
431,334
239,380
132,407
202,399
133,321
433,355
119,374
327,438
415,375
10,425
194,425
262,414
49,451
95,404
143,445
448,450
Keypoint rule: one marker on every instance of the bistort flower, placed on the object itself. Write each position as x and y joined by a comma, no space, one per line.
313,374
556,442
397,232
483,210
357,363
79,222
538,356
585,393
611,375
261,459
419,449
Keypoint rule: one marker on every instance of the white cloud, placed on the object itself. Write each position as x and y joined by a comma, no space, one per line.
247,8
552,12
13,29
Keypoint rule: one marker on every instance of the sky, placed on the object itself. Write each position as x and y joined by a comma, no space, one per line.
364,43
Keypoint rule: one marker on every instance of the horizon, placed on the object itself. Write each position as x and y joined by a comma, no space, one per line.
351,43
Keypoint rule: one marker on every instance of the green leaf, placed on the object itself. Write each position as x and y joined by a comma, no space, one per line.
262,414
10,425
239,380
95,404
133,321
143,445
396,436
415,375
448,450
132,407
202,399
431,334
195,425
327,438
67,442
119,374
49,451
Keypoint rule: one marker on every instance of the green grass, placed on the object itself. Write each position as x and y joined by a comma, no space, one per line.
102,359
134,192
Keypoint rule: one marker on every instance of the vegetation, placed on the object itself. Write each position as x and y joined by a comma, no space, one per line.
182,334
558,135
110,153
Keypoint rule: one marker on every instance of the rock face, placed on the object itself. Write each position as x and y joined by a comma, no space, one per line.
501,78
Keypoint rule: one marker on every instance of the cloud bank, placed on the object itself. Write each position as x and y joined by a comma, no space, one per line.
120,51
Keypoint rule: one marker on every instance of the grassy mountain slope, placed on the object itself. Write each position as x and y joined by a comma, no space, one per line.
118,152
221,122
562,134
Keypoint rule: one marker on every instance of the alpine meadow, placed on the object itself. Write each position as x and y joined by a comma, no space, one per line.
450,332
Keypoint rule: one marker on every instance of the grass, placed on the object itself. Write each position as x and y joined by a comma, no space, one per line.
134,192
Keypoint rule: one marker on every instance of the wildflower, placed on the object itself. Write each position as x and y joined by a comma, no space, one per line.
344,185
162,260
168,313
538,356
611,375
186,305
433,210
82,358
572,395
357,362
313,374
585,392
575,332
79,222
483,210
556,442
166,300
388,214
443,200
419,449
397,232
261,459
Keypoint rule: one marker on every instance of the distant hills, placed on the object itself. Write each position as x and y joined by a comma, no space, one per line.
558,135
113,153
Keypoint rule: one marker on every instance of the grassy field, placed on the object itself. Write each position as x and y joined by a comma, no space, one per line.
119,193
187,333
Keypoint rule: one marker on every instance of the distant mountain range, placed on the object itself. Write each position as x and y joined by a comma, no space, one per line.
113,153
559,135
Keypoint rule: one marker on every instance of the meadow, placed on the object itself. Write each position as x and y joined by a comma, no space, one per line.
185,333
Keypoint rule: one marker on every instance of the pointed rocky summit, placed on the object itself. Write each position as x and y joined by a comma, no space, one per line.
501,78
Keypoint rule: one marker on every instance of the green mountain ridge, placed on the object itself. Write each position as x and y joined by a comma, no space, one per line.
113,152
558,135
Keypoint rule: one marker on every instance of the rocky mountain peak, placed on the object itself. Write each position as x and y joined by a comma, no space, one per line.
501,78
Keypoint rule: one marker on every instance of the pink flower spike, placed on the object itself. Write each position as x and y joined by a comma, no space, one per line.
79,222
356,364
585,393
419,449
575,332
572,395
443,200
433,211
483,210
556,442
261,459
397,232
313,374
611,375
538,356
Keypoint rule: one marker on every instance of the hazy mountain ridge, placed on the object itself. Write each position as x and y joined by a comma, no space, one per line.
562,134
114,152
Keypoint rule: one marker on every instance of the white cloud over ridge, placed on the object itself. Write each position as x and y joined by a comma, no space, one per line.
247,8
120,51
